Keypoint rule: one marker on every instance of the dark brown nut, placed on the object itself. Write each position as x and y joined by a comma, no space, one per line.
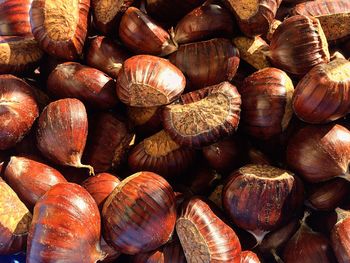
261,198
106,55
14,18
340,236
108,142
149,81
60,26
266,103
66,227
161,155
142,35
204,236
207,63
93,87
31,179
18,54
298,45
18,110
204,22
204,116
274,25
107,14
323,95
334,16
254,16
139,216
146,121
319,153
15,221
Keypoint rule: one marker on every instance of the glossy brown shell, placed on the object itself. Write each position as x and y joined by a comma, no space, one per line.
203,23
101,186
207,63
340,237
204,236
18,110
266,103
91,86
142,35
60,26
204,116
319,153
15,220
323,95
298,45
257,22
106,55
18,54
14,18
108,142
148,81
66,227
161,155
140,214
31,179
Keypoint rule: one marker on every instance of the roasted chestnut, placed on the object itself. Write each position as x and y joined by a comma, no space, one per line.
15,221
18,110
149,81
261,198
204,236
62,132
204,116
66,227
323,94
139,215
266,103
31,179
60,26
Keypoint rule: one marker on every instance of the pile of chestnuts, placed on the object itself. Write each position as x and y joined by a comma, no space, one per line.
173,131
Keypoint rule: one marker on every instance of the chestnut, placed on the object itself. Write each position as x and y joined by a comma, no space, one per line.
91,86
161,155
254,17
106,55
340,236
146,121
266,103
261,198
139,215
322,156
111,253
142,35
62,132
66,227
14,18
18,55
204,236
204,116
322,95
207,63
249,257
149,81
60,26
204,22
31,179
18,110
15,221
201,179
108,142
101,186
298,45
333,16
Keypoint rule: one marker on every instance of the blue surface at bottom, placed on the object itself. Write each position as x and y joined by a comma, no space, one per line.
18,258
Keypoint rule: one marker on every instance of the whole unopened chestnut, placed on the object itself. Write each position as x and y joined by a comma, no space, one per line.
66,227
18,110
340,236
319,153
204,236
261,198
31,179
15,221
139,215
62,132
